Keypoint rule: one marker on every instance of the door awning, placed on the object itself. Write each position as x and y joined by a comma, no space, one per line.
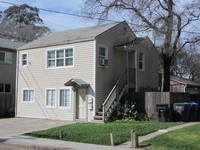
76,83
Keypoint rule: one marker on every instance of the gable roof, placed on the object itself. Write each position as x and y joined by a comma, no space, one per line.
184,81
69,36
9,44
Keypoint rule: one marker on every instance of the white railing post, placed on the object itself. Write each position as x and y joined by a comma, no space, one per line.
103,114
114,94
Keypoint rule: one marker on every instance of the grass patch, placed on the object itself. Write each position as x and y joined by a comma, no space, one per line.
100,133
187,138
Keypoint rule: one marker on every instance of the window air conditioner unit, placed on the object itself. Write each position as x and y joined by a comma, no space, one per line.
103,62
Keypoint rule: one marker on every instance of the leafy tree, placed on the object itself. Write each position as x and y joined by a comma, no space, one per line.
166,19
22,23
23,15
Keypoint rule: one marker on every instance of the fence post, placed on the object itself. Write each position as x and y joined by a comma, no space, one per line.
60,134
112,140
134,139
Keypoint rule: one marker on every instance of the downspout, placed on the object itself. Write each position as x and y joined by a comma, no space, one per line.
136,75
184,88
16,82
94,78
127,67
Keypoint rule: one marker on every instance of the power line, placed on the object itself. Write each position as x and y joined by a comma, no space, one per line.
90,17
67,13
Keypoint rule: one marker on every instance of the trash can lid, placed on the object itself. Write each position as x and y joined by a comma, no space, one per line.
191,103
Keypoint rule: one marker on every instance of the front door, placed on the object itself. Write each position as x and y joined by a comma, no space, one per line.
81,104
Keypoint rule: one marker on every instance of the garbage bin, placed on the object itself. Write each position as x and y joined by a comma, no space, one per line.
162,112
193,110
181,111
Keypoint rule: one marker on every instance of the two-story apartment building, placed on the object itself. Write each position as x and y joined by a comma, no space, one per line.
8,51
69,75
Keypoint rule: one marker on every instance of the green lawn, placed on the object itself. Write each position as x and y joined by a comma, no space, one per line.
187,138
100,133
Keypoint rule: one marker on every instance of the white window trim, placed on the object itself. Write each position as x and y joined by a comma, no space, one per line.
22,59
5,62
23,95
46,98
143,62
55,49
106,57
70,96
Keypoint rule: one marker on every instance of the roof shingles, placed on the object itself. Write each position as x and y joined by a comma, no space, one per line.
69,36
9,44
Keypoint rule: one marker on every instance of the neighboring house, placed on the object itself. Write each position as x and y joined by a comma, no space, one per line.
73,74
8,51
178,84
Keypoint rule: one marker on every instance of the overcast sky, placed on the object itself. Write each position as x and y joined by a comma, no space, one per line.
57,22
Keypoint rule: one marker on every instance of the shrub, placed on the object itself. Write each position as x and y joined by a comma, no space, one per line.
127,113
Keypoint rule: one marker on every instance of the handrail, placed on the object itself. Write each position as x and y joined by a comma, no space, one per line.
113,91
114,87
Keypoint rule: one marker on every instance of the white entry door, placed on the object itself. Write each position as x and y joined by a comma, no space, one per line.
81,104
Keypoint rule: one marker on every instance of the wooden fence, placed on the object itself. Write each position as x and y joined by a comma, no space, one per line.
154,98
146,101
6,103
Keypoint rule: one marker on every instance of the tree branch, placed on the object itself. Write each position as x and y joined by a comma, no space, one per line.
188,42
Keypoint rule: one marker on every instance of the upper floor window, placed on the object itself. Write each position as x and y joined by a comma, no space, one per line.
28,95
141,61
60,58
6,57
5,88
103,55
25,59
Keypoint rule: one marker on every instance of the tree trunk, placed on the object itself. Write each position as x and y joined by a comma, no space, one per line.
166,64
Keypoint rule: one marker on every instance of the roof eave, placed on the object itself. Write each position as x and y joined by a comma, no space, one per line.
56,44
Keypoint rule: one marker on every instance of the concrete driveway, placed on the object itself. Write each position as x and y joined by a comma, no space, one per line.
17,126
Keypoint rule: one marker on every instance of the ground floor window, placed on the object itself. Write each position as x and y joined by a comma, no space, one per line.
51,97
28,95
65,98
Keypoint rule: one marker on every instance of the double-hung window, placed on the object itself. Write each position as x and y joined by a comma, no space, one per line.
141,61
60,58
50,97
6,57
103,55
28,95
24,59
65,98
5,88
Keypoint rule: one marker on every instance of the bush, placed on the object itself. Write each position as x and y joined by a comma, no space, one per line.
128,113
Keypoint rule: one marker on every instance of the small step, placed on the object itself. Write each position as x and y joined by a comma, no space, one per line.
97,121
99,113
98,117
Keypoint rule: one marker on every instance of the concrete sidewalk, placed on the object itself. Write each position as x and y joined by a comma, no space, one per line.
32,143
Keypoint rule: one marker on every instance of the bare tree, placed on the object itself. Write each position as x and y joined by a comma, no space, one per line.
187,64
166,18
